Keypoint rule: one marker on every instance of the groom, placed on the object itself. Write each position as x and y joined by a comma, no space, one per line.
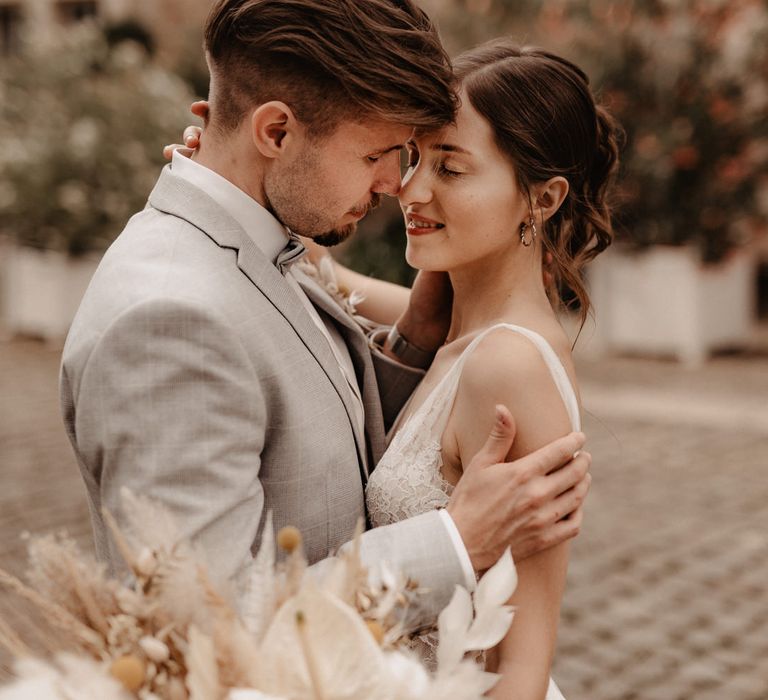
204,370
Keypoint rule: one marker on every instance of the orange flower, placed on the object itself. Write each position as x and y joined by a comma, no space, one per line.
685,157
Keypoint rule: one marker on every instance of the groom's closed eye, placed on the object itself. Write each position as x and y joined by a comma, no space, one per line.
378,155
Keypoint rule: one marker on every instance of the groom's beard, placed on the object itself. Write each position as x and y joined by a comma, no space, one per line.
293,196
339,235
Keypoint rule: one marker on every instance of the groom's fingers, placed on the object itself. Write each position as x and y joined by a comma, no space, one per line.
564,529
572,474
499,442
567,503
555,455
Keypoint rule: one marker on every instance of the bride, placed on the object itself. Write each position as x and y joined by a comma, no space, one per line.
521,177
510,202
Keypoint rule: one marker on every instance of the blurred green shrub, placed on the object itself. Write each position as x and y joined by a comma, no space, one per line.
82,125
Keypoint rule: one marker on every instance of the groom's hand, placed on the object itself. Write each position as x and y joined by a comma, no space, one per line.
426,320
530,504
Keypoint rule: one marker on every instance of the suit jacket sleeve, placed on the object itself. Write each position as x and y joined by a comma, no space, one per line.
420,548
395,380
169,405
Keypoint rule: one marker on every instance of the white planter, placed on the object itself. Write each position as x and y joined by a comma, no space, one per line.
665,301
41,290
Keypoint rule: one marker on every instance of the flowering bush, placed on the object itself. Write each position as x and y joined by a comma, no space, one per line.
687,79
81,131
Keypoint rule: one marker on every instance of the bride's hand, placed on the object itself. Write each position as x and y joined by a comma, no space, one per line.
192,134
427,318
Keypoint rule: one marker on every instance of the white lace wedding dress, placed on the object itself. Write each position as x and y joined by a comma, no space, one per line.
408,481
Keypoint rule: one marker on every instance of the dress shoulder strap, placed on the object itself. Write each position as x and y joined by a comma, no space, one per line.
557,371
430,419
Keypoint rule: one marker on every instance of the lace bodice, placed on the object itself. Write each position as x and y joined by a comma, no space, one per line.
407,480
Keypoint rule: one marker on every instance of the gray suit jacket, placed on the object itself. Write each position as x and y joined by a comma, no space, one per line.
193,374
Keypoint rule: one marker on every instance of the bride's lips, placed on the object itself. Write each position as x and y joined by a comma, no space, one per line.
421,225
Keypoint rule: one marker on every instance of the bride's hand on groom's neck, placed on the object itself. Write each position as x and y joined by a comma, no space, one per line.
192,134
427,318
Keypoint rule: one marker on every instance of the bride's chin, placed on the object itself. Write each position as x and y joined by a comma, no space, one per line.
415,260
422,259
424,266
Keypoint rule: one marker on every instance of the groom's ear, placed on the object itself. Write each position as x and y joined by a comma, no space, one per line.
274,128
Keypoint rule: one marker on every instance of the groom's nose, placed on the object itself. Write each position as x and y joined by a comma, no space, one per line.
388,175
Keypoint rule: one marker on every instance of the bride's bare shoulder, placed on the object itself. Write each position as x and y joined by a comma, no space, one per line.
507,359
507,367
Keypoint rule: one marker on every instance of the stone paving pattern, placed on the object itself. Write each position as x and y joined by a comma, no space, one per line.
667,596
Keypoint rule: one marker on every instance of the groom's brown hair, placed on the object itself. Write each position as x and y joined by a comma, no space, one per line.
329,60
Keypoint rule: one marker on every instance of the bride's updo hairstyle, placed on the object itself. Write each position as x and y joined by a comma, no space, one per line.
545,120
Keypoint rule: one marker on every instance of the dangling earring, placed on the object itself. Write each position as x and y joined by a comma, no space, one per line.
523,228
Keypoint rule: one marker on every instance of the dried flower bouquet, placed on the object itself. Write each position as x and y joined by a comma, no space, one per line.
290,634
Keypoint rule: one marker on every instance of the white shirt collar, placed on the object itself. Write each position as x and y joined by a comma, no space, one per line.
261,226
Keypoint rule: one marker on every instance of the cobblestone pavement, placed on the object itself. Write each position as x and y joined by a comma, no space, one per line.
668,585
667,597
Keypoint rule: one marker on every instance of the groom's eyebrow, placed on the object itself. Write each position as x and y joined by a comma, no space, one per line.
449,148
384,151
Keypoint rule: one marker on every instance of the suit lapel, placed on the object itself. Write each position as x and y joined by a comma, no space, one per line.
179,198
357,343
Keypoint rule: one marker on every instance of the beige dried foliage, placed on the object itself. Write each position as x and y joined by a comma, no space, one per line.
254,588
188,640
54,615
124,634
236,651
11,641
175,591
64,575
203,676
351,576
148,524
127,552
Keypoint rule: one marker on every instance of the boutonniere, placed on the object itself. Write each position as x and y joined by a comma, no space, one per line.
348,299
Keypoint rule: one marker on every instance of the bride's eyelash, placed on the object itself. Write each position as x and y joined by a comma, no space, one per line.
439,168
442,171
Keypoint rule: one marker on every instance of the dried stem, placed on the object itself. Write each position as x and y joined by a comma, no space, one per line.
126,551
12,642
54,614
92,610
314,674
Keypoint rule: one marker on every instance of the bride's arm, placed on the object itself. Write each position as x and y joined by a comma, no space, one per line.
383,302
508,369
